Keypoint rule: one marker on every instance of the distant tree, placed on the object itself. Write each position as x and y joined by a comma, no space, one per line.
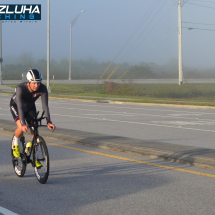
140,71
41,65
26,59
92,69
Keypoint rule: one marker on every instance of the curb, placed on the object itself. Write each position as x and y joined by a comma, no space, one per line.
128,103
133,103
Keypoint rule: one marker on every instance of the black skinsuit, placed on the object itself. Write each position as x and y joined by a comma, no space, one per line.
22,104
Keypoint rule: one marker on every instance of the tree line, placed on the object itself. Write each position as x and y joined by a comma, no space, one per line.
91,69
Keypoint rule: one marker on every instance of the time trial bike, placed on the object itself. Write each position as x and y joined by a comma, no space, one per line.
37,152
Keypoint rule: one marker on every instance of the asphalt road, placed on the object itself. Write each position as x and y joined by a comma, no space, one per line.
87,180
183,126
95,182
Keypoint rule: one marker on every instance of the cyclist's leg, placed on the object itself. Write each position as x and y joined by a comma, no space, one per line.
18,131
15,115
18,159
29,116
32,133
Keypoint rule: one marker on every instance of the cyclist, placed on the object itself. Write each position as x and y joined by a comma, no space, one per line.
22,107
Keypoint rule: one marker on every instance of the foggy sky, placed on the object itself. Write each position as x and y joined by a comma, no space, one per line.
102,30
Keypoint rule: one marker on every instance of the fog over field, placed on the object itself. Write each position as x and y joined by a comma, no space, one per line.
141,32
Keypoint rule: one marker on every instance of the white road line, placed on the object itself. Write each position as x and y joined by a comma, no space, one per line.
185,114
173,115
113,105
142,108
137,114
139,123
180,123
124,107
178,116
6,212
108,114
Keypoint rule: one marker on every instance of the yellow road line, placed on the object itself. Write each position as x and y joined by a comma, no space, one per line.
127,159
134,160
8,135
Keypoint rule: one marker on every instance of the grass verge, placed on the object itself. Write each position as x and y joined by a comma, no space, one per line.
192,94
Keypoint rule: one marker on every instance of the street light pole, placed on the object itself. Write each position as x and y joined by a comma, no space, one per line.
70,59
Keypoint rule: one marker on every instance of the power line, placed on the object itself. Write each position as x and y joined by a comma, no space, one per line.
136,29
174,2
167,3
203,1
160,43
141,34
127,54
198,23
201,5
184,2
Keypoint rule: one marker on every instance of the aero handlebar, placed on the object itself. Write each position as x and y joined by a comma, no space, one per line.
37,119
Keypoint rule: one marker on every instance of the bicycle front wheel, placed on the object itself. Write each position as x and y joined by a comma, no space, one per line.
41,156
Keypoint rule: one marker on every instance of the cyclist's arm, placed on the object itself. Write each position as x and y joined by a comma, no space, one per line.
19,103
44,98
51,126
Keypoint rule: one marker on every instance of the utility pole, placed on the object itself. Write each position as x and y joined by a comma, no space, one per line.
180,45
178,4
70,59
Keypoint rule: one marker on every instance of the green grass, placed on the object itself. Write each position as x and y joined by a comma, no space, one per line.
197,94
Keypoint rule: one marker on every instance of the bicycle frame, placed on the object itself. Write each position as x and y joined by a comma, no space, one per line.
35,123
38,151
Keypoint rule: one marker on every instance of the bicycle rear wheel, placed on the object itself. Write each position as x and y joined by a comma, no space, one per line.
19,164
40,153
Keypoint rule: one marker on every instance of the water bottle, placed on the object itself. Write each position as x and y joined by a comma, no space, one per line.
28,148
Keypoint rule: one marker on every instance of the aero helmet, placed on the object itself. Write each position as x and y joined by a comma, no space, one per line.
34,75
